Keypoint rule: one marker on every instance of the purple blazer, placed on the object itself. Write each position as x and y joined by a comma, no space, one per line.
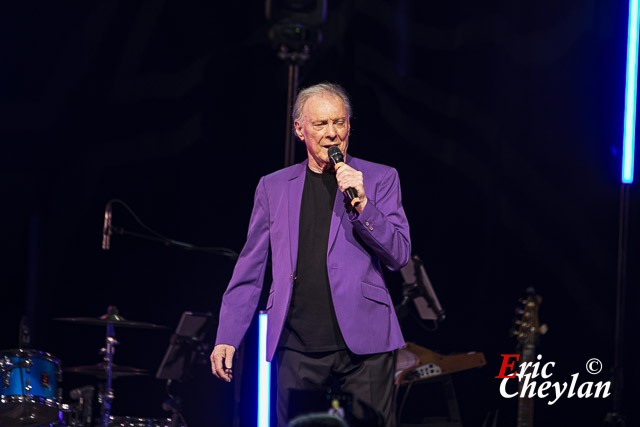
358,245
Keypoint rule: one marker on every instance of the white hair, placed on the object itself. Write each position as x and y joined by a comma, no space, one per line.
305,94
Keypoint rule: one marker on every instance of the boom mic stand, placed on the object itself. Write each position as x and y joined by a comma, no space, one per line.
157,237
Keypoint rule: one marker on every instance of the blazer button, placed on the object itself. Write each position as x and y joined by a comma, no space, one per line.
291,275
371,228
366,223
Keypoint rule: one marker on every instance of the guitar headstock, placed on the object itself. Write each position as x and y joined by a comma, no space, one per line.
527,328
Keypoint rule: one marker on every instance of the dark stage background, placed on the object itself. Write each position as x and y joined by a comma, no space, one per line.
503,118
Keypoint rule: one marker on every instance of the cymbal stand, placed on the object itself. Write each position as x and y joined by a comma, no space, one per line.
107,396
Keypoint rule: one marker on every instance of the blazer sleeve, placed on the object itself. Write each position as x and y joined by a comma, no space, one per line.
383,225
240,300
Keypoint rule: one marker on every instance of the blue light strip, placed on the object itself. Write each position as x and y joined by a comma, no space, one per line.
264,373
630,95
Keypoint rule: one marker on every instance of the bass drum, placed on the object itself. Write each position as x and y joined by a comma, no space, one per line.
30,392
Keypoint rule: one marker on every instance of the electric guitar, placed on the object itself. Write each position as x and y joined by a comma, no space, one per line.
527,330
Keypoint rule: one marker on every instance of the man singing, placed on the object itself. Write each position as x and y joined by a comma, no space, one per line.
331,319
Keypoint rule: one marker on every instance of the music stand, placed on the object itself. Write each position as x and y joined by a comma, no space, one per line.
185,348
186,344
417,287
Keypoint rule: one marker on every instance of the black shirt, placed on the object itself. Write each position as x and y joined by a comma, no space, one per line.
311,324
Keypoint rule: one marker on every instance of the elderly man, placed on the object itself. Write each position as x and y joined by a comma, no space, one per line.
331,319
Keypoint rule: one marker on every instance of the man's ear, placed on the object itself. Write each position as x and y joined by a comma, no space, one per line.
297,126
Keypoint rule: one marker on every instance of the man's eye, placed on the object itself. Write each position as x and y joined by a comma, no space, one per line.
339,123
319,125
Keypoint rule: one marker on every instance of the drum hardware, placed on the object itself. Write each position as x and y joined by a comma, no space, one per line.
138,422
82,411
30,393
99,370
108,396
6,366
27,364
111,319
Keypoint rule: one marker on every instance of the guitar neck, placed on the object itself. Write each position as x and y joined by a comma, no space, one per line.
525,412
529,329
525,404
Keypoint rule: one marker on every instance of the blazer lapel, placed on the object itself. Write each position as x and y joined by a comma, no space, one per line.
295,187
336,219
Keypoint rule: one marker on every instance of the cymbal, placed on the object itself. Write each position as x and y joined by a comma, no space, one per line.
112,317
100,370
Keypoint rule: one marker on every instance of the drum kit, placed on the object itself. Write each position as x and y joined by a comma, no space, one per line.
30,383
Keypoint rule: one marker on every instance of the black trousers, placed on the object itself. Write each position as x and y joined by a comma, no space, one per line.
369,378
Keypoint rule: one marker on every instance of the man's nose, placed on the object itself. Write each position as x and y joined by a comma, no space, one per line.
331,130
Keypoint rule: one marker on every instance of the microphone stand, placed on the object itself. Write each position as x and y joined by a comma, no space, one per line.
155,236
107,396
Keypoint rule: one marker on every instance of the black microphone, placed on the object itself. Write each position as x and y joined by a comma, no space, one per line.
337,160
106,228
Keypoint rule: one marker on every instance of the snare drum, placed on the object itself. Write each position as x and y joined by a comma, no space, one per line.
30,392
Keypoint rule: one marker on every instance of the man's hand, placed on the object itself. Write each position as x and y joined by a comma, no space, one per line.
349,177
222,361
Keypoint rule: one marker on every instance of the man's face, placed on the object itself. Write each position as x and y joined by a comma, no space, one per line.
324,123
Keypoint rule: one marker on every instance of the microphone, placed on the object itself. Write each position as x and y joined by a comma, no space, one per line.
337,160
106,228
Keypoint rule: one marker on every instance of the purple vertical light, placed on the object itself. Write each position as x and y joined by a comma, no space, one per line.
628,143
264,373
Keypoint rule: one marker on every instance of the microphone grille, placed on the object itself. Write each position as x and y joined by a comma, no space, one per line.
335,155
